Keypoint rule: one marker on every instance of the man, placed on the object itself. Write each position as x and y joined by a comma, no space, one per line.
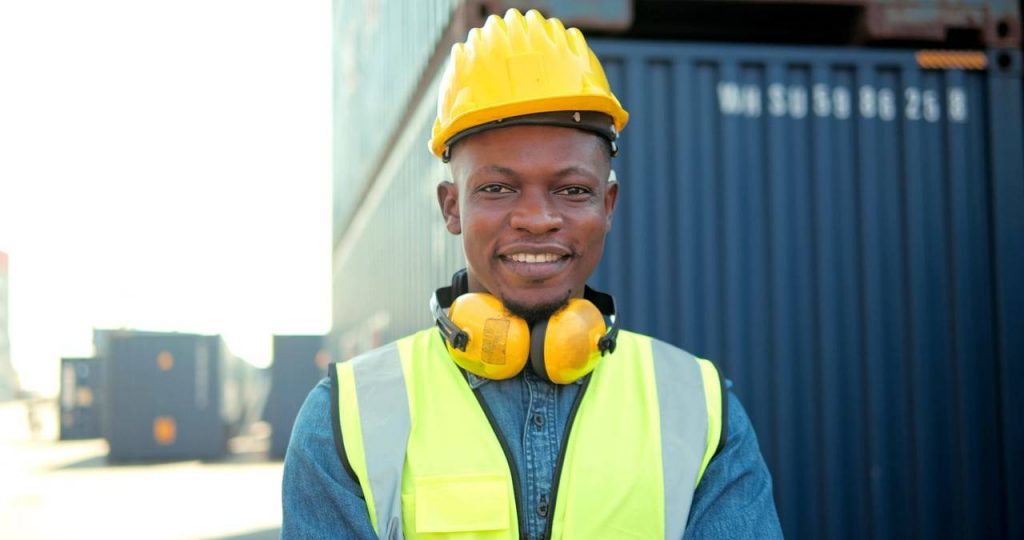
526,413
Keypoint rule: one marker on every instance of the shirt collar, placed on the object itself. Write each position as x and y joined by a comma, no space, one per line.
475,381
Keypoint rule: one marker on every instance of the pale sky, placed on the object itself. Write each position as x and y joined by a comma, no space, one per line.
163,166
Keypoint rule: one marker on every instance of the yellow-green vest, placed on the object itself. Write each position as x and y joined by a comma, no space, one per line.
432,464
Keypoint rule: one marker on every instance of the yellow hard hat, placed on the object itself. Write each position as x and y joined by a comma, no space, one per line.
523,70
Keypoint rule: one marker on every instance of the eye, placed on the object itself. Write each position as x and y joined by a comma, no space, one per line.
574,191
494,189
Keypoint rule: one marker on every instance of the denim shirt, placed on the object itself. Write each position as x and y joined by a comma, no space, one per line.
320,499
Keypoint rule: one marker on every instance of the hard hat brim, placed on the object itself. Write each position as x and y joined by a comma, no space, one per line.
598,123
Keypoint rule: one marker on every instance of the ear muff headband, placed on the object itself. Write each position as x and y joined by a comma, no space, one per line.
537,335
454,335
605,303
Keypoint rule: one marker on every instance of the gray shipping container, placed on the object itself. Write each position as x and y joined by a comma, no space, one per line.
171,396
840,229
299,363
381,50
80,403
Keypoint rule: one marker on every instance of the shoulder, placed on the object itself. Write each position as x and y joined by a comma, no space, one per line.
313,422
734,498
741,431
319,499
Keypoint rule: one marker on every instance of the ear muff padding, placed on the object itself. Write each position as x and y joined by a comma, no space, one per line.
498,344
537,336
571,341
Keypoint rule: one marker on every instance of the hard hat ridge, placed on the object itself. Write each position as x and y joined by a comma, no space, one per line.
517,66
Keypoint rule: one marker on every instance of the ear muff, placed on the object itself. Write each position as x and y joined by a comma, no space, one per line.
484,338
565,347
497,344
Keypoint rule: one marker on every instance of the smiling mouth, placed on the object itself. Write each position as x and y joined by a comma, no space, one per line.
534,258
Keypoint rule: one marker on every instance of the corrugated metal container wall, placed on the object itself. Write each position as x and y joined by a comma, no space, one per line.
170,396
299,363
80,400
381,50
839,230
396,251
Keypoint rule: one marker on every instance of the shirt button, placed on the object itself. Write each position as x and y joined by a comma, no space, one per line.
542,506
538,420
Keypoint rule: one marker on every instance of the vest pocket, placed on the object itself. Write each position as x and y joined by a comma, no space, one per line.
461,503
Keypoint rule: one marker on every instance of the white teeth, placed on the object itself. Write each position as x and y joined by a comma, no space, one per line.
531,258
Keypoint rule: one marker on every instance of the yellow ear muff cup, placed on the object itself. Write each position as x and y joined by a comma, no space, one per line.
570,341
499,342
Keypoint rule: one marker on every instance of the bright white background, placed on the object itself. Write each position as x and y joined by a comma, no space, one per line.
163,166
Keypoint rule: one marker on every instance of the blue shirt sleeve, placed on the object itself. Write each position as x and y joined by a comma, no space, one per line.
734,498
320,500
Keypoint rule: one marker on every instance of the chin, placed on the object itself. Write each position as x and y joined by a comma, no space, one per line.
534,308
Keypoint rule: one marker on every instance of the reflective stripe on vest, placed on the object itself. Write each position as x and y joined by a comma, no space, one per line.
429,461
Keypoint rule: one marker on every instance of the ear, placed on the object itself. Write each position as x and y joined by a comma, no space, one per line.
448,200
611,195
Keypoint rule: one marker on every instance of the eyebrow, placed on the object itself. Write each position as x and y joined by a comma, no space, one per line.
574,169
511,173
504,171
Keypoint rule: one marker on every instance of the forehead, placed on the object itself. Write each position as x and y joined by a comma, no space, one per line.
530,150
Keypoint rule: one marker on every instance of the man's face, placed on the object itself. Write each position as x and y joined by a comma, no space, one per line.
533,204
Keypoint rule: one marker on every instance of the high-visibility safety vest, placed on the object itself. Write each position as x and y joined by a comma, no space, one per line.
432,463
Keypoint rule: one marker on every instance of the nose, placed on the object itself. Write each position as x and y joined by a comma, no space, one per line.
536,213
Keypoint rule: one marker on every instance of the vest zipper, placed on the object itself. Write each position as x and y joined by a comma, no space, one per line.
516,489
553,499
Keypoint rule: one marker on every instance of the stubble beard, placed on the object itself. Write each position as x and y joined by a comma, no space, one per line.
536,313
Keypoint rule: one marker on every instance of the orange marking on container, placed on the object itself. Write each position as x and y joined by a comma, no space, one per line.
165,430
971,60
165,361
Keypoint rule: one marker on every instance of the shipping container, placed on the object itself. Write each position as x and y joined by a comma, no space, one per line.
80,403
171,396
842,230
378,293
299,363
381,51
953,23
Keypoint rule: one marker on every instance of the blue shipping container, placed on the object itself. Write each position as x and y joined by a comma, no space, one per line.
841,231
170,396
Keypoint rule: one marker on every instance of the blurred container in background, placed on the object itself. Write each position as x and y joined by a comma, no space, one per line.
80,404
172,396
299,363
